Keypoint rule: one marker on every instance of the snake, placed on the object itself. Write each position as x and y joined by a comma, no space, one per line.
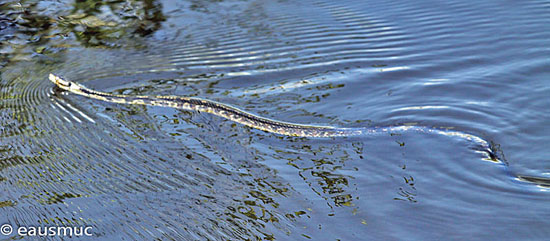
261,123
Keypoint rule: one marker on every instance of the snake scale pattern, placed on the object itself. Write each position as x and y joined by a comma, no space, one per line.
258,122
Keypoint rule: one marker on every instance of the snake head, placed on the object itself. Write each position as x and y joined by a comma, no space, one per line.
60,82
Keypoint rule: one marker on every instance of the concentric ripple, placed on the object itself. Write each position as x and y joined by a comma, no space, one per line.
143,173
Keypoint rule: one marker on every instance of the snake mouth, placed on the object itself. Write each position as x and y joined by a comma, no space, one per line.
61,83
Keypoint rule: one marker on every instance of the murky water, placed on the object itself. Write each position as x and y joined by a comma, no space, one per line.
144,173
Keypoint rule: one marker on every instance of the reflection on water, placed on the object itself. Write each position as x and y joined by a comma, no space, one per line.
45,28
142,173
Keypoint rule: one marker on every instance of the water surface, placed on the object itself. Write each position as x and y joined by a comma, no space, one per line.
143,173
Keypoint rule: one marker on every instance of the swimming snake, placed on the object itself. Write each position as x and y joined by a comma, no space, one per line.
258,122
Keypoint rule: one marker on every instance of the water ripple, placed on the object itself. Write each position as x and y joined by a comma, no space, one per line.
158,173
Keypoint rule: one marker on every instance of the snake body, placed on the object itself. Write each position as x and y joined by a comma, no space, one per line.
255,121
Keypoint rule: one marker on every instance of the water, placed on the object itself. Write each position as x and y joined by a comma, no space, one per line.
135,172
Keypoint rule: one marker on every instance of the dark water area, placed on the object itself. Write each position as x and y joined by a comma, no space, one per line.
152,173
